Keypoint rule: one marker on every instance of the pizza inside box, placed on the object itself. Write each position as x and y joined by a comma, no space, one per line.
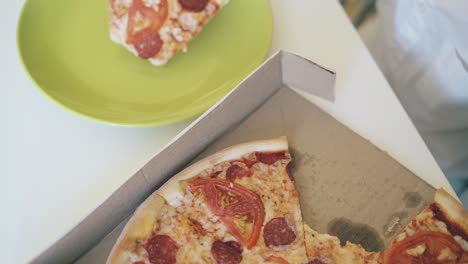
347,186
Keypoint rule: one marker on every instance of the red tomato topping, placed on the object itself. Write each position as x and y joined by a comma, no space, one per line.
146,39
432,245
239,208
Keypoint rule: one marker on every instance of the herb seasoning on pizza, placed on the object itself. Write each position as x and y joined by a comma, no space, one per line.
239,205
155,30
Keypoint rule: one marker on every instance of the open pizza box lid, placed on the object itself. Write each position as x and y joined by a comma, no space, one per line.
347,186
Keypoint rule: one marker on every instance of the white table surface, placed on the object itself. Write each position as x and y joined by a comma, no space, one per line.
40,141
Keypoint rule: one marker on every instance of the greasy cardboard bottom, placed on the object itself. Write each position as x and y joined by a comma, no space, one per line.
347,186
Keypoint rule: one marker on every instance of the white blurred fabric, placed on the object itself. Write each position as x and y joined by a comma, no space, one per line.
422,48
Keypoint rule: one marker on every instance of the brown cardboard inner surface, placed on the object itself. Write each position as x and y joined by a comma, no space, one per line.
347,186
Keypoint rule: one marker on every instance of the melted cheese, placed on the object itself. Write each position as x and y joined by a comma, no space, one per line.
177,34
188,21
416,251
463,244
151,3
446,255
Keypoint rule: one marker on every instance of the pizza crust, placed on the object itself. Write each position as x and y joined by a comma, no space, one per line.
452,209
173,192
140,226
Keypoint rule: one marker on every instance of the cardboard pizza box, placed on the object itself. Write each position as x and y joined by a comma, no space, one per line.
347,186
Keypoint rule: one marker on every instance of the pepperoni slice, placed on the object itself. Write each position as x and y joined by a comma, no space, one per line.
270,158
425,247
148,47
146,40
229,252
193,5
161,249
277,232
236,171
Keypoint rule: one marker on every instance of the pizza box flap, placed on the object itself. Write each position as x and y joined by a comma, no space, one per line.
347,186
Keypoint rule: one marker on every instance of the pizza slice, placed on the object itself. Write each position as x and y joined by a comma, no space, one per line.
155,30
239,205
439,234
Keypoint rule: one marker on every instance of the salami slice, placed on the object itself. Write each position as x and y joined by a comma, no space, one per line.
161,250
149,47
193,5
277,232
229,252
270,158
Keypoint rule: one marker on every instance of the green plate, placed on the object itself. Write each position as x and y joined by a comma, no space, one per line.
66,49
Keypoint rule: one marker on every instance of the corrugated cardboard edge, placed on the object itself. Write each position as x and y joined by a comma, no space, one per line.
305,75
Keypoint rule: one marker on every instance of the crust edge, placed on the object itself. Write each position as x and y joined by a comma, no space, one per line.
448,209
140,225
172,191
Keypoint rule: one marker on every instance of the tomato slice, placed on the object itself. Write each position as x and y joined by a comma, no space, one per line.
143,26
239,208
432,245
